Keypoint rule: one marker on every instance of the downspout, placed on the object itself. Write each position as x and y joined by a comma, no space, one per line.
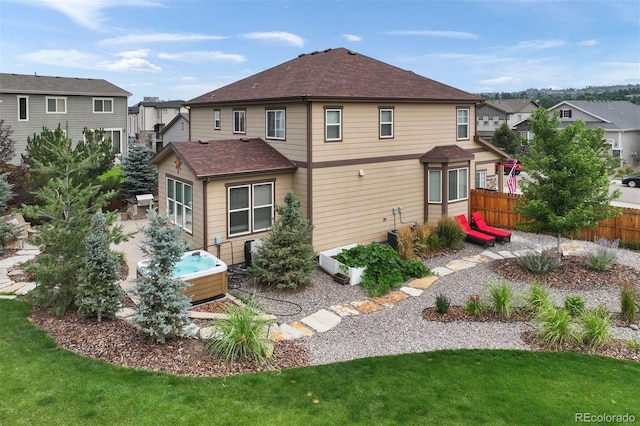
205,227
309,166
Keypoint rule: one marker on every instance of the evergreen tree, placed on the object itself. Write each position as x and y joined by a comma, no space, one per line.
8,231
286,258
506,139
568,185
99,292
163,310
7,145
140,176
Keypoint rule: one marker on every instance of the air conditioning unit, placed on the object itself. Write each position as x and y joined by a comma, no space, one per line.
251,246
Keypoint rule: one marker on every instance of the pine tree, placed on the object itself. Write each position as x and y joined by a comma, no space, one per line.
163,310
286,258
8,231
99,292
140,176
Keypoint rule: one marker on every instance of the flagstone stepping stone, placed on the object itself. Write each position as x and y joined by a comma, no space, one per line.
209,332
322,321
26,288
491,255
396,296
423,283
383,301
506,254
415,292
441,271
477,258
5,282
8,296
458,265
302,328
28,252
344,310
286,332
12,288
367,306
10,262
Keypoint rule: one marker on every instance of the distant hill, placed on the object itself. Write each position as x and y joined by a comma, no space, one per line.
549,97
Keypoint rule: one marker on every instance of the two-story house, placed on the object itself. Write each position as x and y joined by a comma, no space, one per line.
494,113
176,131
30,102
148,118
364,145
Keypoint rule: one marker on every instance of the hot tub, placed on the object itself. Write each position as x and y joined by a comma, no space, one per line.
205,274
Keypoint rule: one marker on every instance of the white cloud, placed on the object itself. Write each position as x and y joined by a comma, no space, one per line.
431,33
283,36
351,37
140,53
540,44
160,37
500,81
199,56
128,64
588,43
82,60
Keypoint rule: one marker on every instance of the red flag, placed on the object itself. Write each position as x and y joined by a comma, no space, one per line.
512,180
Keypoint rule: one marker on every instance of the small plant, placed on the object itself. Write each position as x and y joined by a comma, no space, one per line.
538,298
555,327
405,243
574,305
628,305
630,245
421,236
473,305
604,256
450,233
633,344
596,327
539,263
442,304
242,336
501,298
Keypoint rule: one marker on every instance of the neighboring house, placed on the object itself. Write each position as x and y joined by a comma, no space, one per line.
494,113
176,131
30,102
364,145
146,120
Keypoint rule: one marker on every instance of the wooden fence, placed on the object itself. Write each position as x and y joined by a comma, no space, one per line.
497,210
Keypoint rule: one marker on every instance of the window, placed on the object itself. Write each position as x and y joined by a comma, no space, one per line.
23,108
333,124
485,119
386,123
496,119
565,113
238,121
458,184
216,119
250,208
275,124
102,105
180,203
463,124
56,105
435,186
116,139
481,179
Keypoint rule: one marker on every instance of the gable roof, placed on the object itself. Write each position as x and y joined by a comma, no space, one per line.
40,84
174,121
613,115
510,106
225,158
335,74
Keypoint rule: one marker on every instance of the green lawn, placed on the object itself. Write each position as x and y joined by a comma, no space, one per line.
43,384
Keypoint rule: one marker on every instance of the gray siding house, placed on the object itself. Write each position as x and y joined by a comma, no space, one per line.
176,131
494,113
30,102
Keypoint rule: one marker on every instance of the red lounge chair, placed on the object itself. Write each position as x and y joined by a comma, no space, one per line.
473,236
478,223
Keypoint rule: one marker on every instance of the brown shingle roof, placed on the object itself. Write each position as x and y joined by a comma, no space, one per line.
446,154
335,73
227,157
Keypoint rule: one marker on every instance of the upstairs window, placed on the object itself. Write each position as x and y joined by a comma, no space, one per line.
333,124
275,124
23,108
56,105
239,121
216,119
565,113
386,123
496,119
102,105
463,124
485,120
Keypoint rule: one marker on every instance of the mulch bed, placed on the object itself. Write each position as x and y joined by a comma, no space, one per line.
457,313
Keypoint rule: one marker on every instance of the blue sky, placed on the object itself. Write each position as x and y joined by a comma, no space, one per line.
182,49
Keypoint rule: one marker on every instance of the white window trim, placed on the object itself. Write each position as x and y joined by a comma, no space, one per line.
481,176
122,136
26,98
57,98
102,100
284,124
185,206
439,199
327,124
216,119
250,209
241,114
459,198
386,123
466,124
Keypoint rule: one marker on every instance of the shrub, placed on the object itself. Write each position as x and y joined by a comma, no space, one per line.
604,256
422,234
242,336
539,263
537,298
628,305
501,298
555,327
596,327
574,305
442,304
630,245
473,305
406,248
450,233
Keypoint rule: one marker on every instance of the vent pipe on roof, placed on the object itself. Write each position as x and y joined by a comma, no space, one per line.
200,141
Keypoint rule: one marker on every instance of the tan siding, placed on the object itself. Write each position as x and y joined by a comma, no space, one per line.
461,207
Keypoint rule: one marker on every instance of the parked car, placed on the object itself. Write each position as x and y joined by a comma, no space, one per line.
508,165
633,181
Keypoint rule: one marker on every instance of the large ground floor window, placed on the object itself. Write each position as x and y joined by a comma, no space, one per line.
458,184
250,208
180,203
